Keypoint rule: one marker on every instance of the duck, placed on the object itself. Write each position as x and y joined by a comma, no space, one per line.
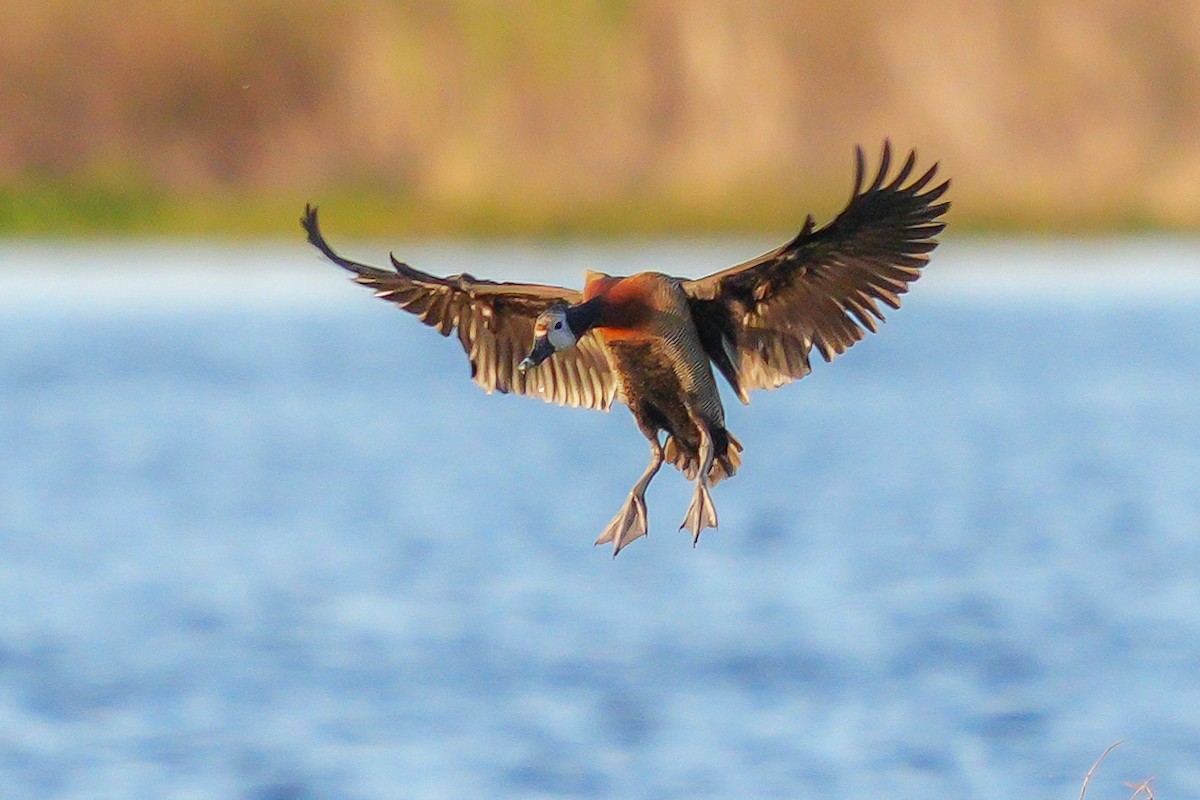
654,342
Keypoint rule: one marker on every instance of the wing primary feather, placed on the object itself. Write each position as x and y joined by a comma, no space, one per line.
909,163
934,194
926,231
825,288
493,322
556,382
919,184
865,318
578,387
884,163
312,228
933,212
501,359
860,171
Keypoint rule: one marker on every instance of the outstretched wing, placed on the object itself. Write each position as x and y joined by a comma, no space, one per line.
759,320
494,322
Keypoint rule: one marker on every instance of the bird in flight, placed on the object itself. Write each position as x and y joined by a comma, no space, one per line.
651,340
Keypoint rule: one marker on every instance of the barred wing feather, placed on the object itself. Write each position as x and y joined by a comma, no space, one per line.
494,323
758,321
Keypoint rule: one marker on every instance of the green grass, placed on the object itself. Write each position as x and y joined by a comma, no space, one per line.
63,210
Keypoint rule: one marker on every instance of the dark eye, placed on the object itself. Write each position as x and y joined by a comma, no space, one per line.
558,326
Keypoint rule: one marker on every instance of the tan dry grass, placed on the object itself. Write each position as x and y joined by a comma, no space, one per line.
1145,788
1062,114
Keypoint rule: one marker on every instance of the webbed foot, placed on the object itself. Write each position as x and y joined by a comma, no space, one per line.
627,525
701,514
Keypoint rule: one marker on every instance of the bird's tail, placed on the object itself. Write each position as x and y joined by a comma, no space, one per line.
727,456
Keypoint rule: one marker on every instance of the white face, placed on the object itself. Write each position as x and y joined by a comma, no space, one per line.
553,323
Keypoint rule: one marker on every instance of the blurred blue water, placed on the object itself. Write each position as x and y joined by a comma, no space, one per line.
260,537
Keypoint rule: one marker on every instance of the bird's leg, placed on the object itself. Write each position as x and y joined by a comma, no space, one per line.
630,521
702,513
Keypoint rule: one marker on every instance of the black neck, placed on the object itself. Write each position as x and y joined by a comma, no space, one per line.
584,317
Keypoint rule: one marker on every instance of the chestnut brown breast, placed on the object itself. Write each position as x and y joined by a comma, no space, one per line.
651,309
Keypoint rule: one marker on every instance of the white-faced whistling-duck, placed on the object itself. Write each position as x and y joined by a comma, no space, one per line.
650,340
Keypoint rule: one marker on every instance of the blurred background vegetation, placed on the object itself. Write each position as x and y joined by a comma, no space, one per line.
588,117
